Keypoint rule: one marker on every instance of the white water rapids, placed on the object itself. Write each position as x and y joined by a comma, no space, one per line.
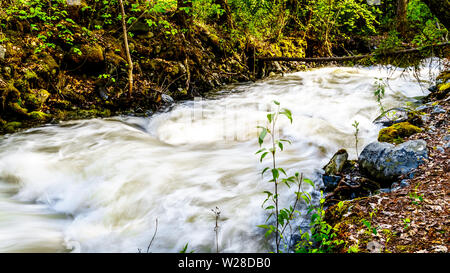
98,185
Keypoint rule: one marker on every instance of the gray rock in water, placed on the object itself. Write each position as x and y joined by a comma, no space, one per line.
385,162
167,99
336,163
330,182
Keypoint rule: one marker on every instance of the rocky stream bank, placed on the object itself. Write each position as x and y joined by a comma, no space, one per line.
395,197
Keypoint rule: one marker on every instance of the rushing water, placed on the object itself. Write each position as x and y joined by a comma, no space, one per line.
99,185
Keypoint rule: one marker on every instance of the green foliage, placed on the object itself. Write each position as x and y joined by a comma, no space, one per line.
356,126
391,43
282,216
380,88
426,28
321,237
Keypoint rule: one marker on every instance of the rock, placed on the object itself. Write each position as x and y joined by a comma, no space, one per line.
167,99
39,116
330,182
374,247
35,98
395,133
336,163
2,52
87,53
11,127
438,109
396,185
47,65
139,27
385,162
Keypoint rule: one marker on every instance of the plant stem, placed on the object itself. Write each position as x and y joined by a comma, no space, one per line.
127,50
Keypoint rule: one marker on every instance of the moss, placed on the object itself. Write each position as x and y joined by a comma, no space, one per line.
36,98
39,116
89,53
47,65
17,108
11,127
30,75
396,132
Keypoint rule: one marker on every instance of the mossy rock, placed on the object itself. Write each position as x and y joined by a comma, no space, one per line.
415,119
396,132
89,54
17,108
11,127
39,116
114,59
36,98
47,65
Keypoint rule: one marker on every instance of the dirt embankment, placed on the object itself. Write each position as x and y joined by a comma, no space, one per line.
67,63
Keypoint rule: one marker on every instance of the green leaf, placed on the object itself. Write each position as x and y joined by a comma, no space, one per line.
287,113
262,156
282,170
309,181
269,207
275,174
280,145
263,149
262,135
270,117
286,140
276,102
265,169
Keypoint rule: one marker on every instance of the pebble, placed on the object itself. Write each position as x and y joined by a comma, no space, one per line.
438,109
440,149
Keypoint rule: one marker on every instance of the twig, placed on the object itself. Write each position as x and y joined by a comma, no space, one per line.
216,211
154,234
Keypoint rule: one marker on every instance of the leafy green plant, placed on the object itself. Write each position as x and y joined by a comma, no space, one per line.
282,216
406,223
380,88
321,237
416,198
185,249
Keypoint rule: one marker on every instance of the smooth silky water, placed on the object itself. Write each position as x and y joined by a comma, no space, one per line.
99,185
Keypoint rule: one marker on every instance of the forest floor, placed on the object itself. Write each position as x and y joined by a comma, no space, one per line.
414,218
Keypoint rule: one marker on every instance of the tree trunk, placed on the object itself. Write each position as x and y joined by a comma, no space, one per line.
402,22
225,18
184,17
127,50
440,9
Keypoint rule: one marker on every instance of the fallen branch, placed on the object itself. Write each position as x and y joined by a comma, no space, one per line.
349,58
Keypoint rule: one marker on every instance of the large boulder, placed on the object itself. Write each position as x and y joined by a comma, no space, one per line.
385,162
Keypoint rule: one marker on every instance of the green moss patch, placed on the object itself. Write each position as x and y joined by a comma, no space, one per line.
397,132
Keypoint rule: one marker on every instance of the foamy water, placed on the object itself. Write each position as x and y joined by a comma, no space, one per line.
98,185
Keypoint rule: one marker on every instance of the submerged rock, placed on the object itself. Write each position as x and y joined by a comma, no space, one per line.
385,162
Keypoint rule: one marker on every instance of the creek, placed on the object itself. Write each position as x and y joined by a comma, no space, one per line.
99,185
